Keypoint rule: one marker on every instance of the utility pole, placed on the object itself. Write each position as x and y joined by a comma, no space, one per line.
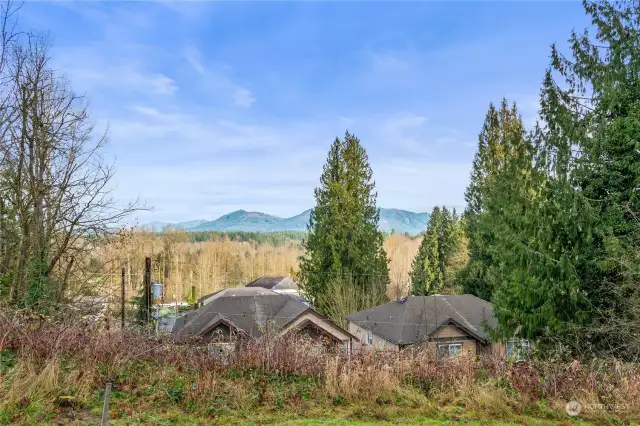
122,298
147,288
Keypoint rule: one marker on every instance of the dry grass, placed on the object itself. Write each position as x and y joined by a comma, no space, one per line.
44,361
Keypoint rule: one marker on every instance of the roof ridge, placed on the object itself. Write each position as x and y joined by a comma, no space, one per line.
464,319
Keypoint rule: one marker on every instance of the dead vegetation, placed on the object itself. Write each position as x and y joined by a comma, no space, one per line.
47,366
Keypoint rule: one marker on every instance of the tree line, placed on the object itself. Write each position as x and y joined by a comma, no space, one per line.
553,211
552,223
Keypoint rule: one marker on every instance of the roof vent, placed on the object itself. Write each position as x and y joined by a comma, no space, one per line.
404,299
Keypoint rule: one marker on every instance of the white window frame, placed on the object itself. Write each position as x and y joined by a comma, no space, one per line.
369,338
453,349
518,349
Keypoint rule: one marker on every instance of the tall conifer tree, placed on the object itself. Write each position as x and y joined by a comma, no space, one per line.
501,127
577,286
344,244
429,270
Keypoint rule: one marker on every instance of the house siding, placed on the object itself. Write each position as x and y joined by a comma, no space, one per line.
378,342
498,349
445,334
453,334
345,339
448,331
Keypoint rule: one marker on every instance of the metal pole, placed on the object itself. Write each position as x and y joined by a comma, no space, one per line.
105,407
122,298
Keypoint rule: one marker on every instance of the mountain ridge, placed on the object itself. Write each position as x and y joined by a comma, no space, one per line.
242,220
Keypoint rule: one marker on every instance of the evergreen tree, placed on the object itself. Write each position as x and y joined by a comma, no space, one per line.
572,282
430,267
501,127
344,244
421,271
457,260
448,240
425,269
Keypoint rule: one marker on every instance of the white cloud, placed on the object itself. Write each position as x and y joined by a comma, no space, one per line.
192,161
188,10
156,114
194,57
346,121
243,97
189,134
162,84
219,82
405,121
408,132
415,185
203,168
97,67
388,62
216,78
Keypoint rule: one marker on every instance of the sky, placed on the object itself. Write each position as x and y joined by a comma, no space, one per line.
212,107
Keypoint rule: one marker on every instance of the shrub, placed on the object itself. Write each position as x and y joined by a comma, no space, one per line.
43,360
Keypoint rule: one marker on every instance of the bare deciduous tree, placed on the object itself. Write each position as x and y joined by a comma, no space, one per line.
56,185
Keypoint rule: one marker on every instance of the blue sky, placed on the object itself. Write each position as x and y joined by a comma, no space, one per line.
218,106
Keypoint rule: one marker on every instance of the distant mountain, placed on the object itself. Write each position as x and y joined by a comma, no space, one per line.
242,220
402,221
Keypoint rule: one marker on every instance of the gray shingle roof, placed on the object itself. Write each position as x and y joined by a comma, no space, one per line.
246,309
413,319
274,283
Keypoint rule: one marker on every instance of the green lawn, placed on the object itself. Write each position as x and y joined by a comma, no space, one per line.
344,416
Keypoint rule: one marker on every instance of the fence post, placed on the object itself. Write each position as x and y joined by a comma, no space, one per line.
105,408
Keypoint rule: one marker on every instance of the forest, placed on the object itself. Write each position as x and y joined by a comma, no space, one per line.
211,261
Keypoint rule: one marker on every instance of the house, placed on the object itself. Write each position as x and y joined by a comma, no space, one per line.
207,298
279,284
449,325
247,312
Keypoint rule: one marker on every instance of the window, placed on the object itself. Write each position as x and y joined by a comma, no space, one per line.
369,337
449,350
518,349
